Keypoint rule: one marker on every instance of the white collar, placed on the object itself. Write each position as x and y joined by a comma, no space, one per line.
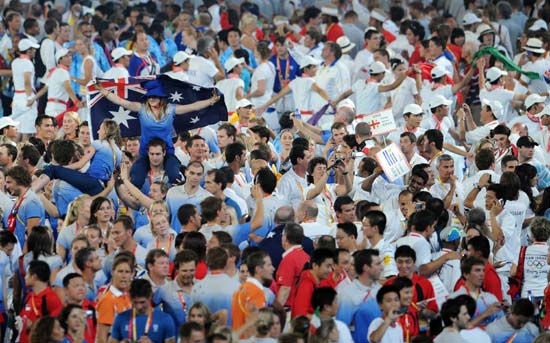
291,249
255,282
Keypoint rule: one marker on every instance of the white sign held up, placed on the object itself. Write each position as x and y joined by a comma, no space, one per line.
380,122
393,162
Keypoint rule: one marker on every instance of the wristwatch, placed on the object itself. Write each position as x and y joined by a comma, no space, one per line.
478,186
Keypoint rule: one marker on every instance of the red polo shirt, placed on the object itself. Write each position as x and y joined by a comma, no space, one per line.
290,268
334,32
425,286
302,295
35,309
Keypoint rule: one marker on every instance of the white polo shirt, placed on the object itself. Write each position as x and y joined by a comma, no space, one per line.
420,245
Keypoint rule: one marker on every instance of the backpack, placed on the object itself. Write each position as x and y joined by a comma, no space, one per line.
516,281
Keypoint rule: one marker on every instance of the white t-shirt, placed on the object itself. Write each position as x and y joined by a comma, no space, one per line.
325,203
440,190
504,97
292,187
402,96
535,270
540,66
202,71
229,89
480,132
387,252
116,72
475,335
314,230
420,245
392,334
19,67
449,273
178,75
367,97
301,92
47,53
55,83
265,71
334,79
518,209
361,64
444,63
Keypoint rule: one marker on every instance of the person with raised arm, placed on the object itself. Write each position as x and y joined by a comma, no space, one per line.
156,117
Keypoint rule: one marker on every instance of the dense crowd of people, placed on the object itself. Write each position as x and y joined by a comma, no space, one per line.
298,219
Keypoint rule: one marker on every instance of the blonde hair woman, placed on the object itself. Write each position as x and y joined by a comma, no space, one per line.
164,239
78,216
189,38
71,123
248,26
145,234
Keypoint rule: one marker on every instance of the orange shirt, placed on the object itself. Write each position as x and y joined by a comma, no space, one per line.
111,303
250,292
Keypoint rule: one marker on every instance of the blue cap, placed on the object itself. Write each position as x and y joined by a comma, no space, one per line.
450,234
154,88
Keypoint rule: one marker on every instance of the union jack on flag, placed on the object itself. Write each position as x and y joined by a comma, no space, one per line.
130,88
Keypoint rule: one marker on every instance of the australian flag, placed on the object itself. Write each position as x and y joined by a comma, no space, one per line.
130,88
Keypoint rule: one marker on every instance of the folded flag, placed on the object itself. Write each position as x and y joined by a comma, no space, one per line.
131,89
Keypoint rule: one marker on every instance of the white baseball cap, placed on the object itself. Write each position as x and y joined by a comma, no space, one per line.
232,62
470,18
26,43
7,121
439,100
242,103
494,73
534,45
61,53
280,20
534,99
180,57
495,106
346,103
377,67
330,10
307,60
413,109
539,24
438,72
378,15
371,28
120,52
345,44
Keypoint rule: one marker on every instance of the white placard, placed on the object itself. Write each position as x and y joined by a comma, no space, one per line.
393,162
440,290
380,122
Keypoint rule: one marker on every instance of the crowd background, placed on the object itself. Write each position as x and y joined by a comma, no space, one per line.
283,223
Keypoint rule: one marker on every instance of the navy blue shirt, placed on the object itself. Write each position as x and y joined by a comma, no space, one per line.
273,246
161,329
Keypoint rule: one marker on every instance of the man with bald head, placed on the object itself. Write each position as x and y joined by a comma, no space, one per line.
306,215
273,242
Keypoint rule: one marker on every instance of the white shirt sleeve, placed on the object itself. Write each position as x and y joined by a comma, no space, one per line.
423,252
47,52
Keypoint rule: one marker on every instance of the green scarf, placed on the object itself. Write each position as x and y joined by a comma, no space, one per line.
508,63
